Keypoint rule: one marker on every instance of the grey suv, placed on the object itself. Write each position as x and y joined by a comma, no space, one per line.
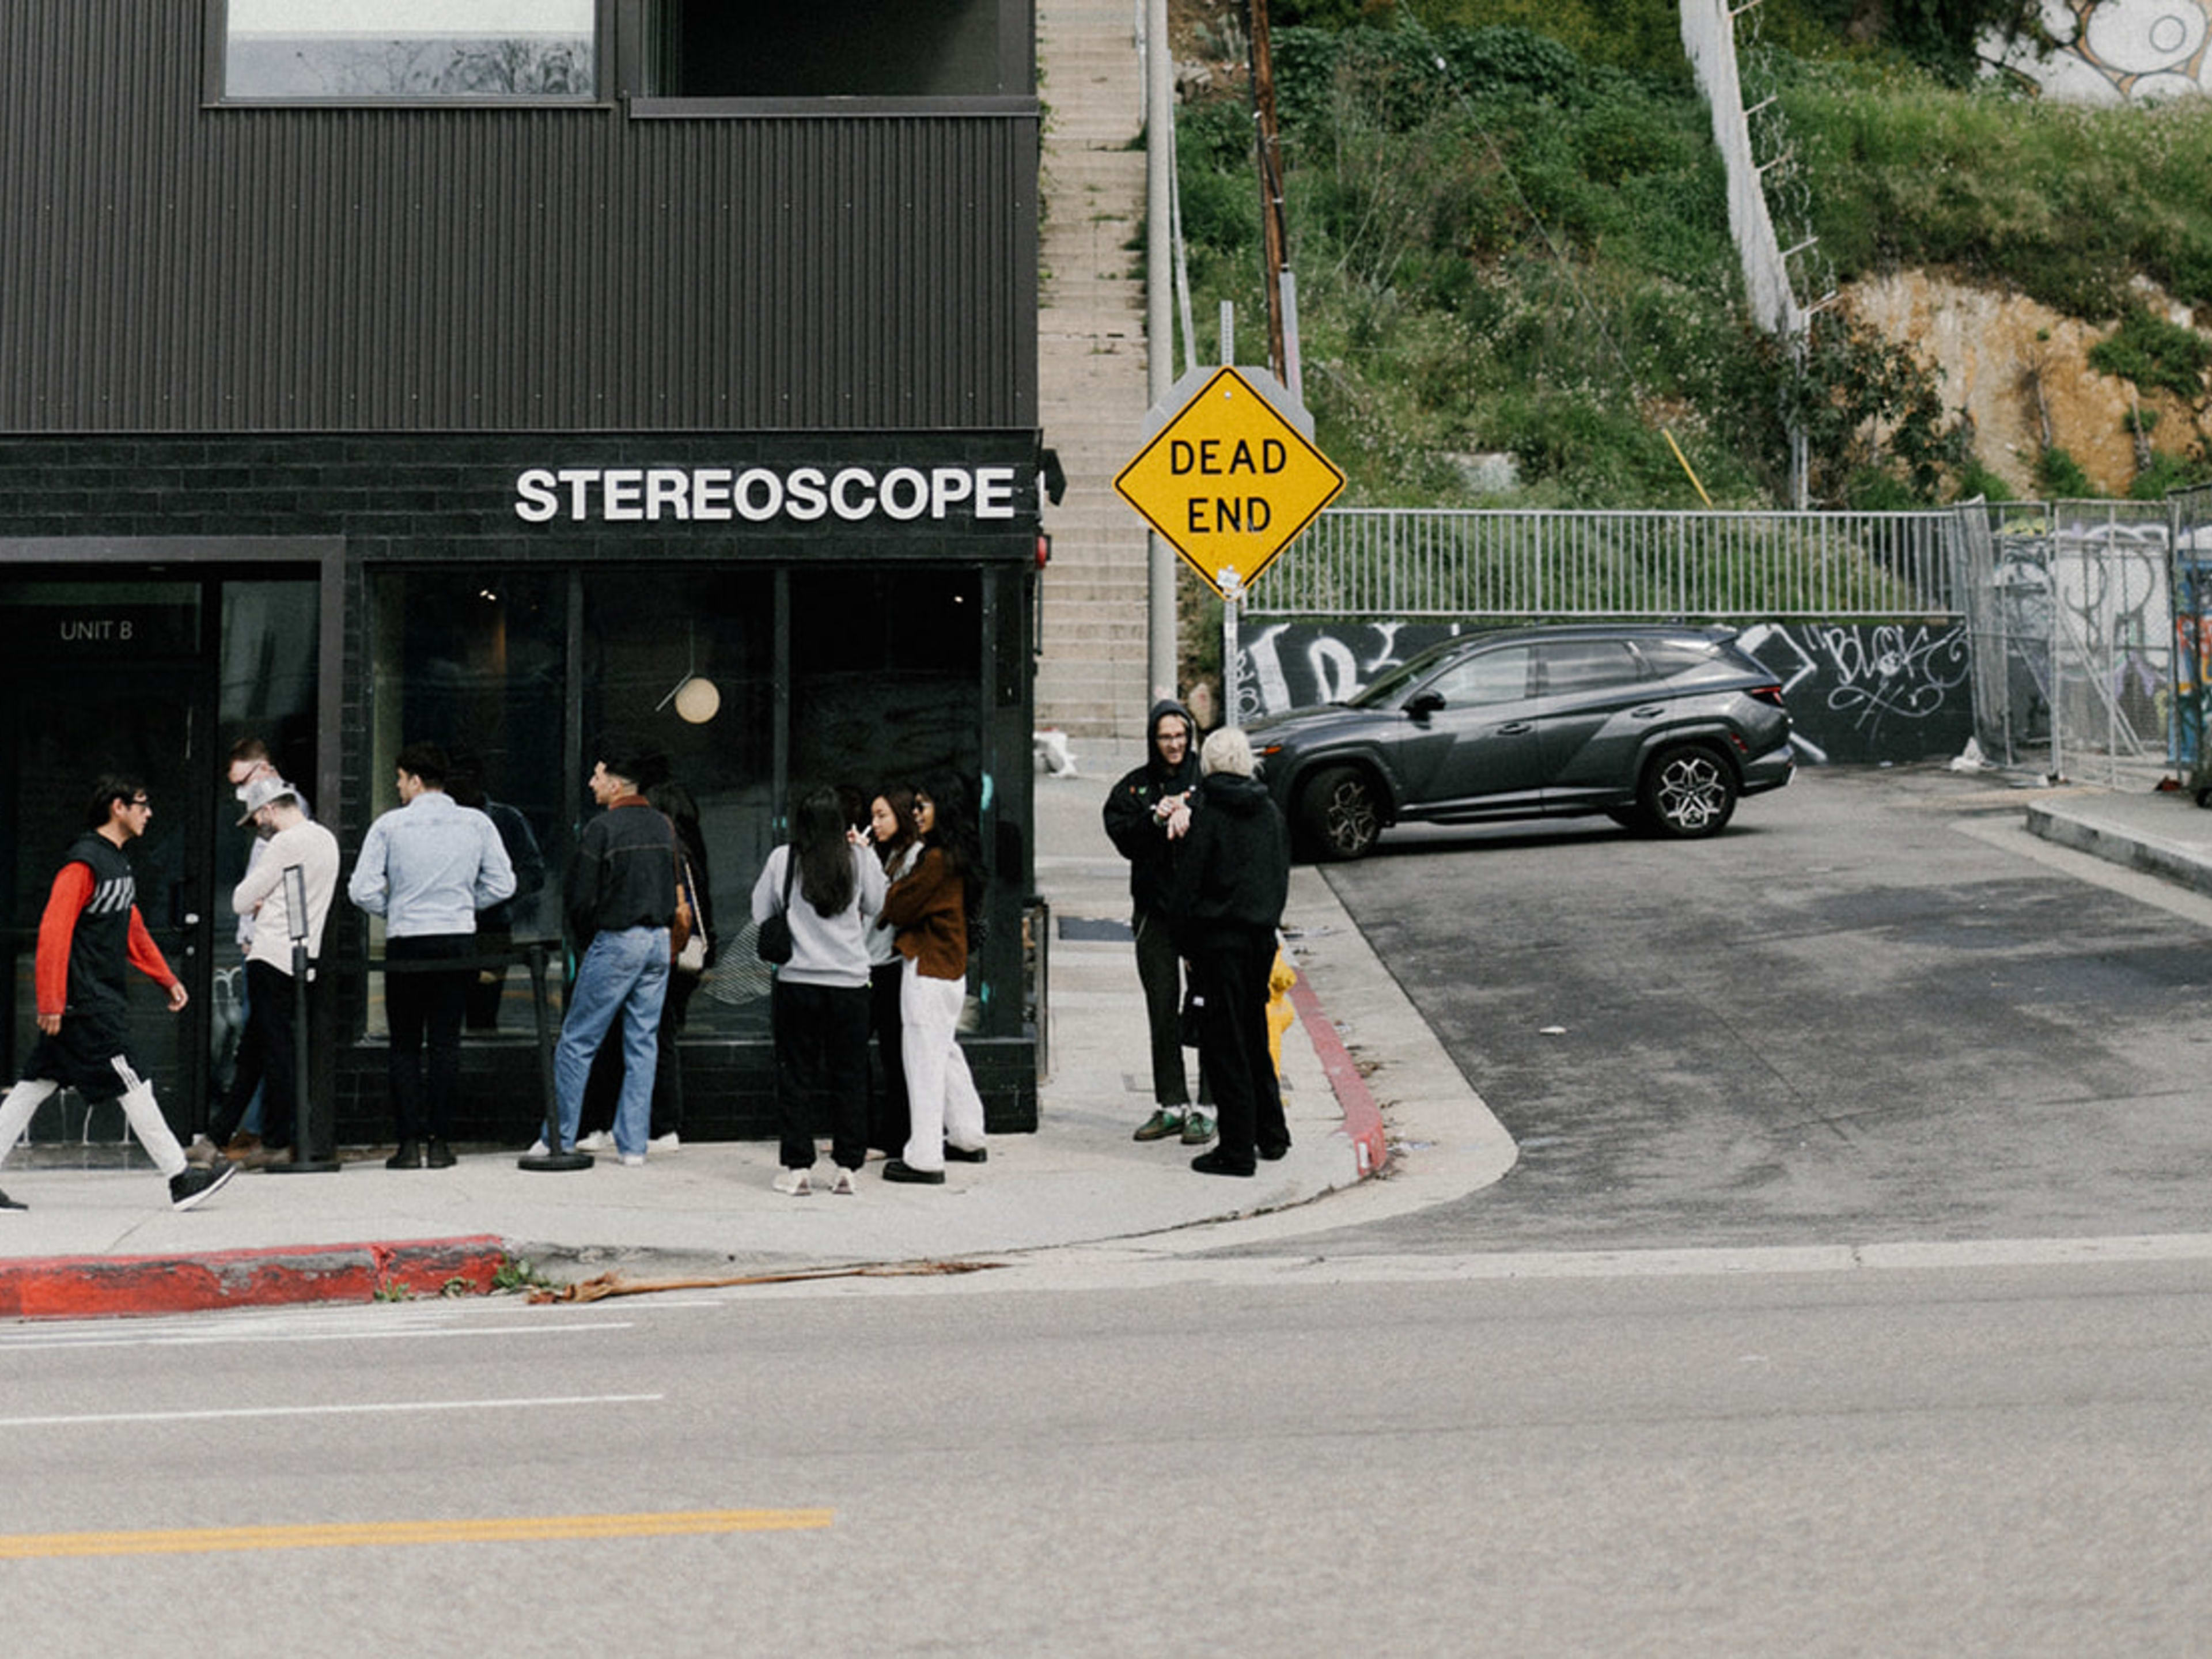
1660,727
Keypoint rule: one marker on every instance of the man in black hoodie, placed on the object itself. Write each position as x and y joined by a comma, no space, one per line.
1226,895
1146,814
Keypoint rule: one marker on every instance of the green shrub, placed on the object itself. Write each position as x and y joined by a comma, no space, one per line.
2167,473
2155,354
2060,476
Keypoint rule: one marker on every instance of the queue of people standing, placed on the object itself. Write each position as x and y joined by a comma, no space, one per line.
879,897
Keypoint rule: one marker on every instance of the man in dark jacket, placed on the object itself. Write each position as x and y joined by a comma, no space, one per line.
620,900
1230,881
1146,814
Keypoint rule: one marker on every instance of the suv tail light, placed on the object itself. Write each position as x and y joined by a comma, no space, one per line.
1767,694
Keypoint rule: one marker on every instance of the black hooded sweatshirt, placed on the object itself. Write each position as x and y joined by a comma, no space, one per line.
1232,876
1137,835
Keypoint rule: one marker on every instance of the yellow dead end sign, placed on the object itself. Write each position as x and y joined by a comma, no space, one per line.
1229,482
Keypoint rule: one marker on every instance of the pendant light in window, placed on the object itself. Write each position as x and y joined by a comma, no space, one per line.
697,698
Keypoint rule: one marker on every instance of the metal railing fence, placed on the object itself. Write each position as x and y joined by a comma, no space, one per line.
2070,606
1408,562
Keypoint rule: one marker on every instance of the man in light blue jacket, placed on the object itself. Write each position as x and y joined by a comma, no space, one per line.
427,869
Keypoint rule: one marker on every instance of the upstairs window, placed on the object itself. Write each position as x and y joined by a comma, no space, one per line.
709,49
409,50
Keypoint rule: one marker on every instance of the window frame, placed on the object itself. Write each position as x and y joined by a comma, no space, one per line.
215,93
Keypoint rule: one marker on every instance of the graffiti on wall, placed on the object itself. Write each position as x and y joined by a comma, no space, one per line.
1858,691
2112,51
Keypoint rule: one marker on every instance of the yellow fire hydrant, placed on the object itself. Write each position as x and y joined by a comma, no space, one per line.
1280,978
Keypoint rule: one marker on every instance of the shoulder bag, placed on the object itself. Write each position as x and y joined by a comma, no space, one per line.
774,944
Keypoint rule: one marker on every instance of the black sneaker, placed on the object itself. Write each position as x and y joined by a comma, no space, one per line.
8,1203
967,1154
899,1170
187,1191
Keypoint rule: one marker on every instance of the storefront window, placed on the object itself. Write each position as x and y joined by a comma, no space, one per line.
409,49
685,658
475,663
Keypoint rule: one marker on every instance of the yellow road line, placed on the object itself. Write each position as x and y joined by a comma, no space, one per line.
349,1535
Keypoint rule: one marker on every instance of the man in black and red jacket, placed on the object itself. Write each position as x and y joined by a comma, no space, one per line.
90,936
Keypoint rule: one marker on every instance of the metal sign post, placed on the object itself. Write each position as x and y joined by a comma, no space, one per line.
304,1161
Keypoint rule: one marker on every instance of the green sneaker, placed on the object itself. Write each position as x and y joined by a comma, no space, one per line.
1160,1125
1197,1129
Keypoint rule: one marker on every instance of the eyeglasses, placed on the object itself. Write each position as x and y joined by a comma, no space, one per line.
140,800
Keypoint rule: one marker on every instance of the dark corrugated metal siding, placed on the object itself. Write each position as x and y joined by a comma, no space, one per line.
169,267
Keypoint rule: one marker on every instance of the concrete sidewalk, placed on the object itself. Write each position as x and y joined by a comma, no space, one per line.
2161,832
105,1241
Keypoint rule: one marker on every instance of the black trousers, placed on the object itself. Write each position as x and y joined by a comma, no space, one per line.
1159,970
268,1056
887,1113
423,1004
822,1071
1232,968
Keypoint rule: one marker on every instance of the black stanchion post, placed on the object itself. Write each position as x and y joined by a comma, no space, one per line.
556,1158
304,1161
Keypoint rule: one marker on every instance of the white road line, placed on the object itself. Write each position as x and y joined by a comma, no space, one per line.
104,1419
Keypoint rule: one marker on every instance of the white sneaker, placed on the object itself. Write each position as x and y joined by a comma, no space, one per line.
538,1148
666,1144
599,1140
843,1187
796,1182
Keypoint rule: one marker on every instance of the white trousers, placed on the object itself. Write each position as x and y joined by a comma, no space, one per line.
942,1103
138,1106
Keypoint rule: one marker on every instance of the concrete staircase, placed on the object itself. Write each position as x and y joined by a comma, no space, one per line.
1093,368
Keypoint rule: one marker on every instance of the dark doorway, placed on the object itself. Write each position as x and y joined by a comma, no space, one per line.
142,674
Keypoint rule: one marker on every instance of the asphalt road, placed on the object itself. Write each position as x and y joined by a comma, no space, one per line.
1953,1461
1874,1009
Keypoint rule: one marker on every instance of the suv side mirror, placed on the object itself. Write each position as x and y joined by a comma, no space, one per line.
1422,704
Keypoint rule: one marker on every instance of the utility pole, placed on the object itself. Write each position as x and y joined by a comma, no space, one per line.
1159,325
1272,236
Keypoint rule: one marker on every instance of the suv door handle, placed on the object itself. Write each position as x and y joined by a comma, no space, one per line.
1647,711
1514,728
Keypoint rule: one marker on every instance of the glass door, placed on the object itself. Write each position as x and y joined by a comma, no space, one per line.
100,678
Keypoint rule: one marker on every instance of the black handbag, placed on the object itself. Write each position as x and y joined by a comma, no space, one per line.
1192,1023
774,944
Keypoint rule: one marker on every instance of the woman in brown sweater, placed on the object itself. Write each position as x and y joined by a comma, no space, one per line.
929,906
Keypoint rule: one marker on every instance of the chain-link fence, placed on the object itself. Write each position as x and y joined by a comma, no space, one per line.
2192,632
2070,612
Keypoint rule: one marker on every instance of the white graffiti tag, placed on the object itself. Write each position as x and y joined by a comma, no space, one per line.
1891,668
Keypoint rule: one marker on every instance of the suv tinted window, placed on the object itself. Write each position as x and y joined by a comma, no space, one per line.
1500,676
1668,657
1587,665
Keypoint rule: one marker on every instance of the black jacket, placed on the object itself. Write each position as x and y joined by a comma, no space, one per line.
624,874
1137,835
1233,875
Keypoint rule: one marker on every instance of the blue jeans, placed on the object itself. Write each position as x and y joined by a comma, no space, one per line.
626,971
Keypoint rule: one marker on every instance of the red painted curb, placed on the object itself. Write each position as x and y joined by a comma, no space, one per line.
88,1286
1363,1118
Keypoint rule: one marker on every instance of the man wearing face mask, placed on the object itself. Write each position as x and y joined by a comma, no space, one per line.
1146,814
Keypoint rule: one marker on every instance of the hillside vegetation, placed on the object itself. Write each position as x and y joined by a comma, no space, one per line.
1510,240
